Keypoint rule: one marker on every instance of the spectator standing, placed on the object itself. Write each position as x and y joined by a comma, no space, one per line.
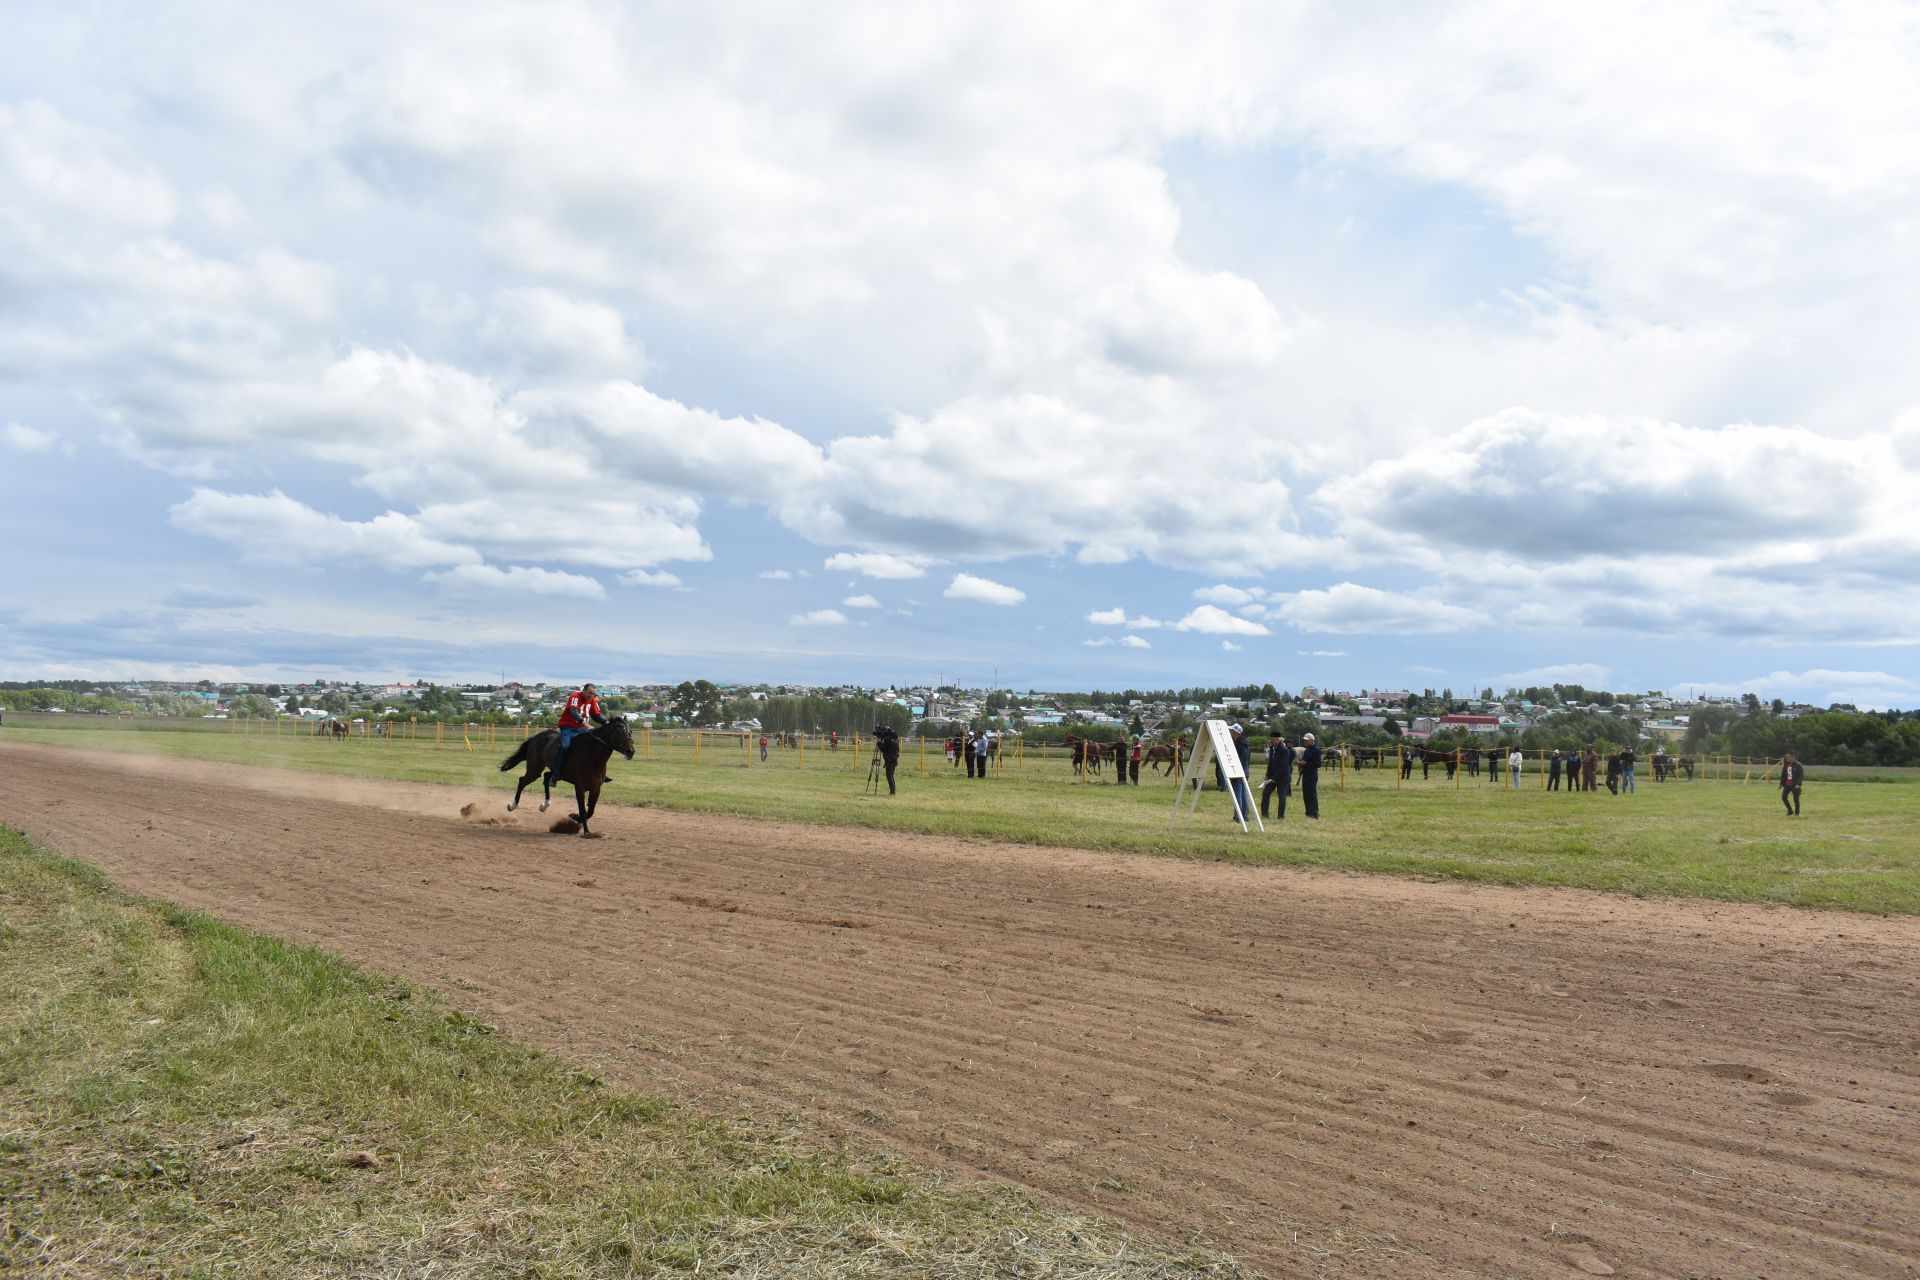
1310,776
763,748
980,754
966,746
1553,772
1792,774
1279,776
1133,761
1613,772
1626,770
1589,766
887,742
1514,764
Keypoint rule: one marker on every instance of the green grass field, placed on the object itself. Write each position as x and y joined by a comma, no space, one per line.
182,1098
1857,846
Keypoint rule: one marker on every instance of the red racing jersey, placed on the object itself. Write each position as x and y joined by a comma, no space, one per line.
580,705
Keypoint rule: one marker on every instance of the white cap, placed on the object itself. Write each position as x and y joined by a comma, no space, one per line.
1307,738
1234,728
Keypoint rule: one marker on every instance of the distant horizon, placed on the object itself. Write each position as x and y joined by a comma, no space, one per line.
1461,693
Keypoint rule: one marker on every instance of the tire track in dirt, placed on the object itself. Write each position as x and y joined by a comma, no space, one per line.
1328,1075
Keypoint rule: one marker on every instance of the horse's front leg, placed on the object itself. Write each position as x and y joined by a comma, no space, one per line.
586,802
518,788
546,792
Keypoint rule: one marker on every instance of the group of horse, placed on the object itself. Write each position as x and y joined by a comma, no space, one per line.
1161,757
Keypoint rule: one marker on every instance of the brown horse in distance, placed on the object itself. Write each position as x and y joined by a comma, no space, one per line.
1172,754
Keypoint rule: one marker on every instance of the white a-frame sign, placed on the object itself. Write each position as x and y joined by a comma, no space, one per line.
1216,742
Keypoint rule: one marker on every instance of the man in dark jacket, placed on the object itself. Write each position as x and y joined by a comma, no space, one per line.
1310,775
887,742
1553,772
1792,774
1279,775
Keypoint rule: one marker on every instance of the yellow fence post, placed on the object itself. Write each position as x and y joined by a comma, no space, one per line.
438,729
696,746
799,750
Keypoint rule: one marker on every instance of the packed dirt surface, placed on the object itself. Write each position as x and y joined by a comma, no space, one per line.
1325,1075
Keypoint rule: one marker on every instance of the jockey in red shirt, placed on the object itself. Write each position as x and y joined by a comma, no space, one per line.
582,707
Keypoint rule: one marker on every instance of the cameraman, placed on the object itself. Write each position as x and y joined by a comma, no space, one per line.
887,743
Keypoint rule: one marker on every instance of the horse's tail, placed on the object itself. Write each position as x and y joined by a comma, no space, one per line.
519,756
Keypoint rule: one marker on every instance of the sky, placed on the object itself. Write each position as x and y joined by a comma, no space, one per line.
1050,345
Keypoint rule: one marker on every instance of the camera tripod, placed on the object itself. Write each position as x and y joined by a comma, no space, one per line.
873,775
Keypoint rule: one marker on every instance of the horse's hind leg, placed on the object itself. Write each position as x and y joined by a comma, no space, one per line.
518,788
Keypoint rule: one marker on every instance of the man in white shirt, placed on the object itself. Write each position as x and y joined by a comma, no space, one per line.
1514,762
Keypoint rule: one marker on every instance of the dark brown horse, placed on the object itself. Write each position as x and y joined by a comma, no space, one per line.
585,765
339,728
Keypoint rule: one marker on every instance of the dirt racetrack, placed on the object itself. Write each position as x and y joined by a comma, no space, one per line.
1324,1074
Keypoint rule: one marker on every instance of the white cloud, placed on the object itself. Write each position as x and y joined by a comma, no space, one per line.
274,527
1100,642
1228,595
965,586
861,602
1355,610
1229,646
515,580
1322,653
1134,642
1213,620
1551,486
1118,617
27,439
650,578
818,618
1590,675
545,332
875,564
777,575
